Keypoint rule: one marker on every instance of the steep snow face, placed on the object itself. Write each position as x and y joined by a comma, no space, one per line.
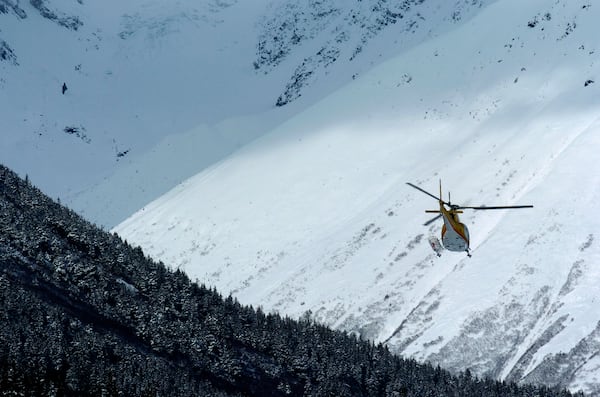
315,218
158,91
136,78
314,38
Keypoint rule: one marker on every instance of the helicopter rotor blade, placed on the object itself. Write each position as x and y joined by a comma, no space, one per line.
501,207
435,218
424,191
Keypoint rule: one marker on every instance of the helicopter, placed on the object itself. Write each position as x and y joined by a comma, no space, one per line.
455,235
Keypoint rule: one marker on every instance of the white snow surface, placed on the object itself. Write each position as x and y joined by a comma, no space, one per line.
153,97
159,91
314,218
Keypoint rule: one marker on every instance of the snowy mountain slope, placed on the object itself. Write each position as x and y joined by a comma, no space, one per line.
134,73
330,33
315,218
159,91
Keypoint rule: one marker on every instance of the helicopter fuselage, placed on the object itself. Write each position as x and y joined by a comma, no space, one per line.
455,235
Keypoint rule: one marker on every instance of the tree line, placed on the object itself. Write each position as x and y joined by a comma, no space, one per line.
82,312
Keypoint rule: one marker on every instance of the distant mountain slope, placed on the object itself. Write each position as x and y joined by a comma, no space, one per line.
331,36
136,80
157,92
315,218
83,313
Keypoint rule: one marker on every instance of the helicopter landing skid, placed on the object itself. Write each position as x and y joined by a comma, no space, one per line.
436,246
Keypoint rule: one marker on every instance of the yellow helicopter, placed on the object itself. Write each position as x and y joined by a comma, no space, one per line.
455,235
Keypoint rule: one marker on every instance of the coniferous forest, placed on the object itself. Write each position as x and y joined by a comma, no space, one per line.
84,313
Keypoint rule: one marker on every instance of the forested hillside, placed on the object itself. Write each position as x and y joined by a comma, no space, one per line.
84,313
